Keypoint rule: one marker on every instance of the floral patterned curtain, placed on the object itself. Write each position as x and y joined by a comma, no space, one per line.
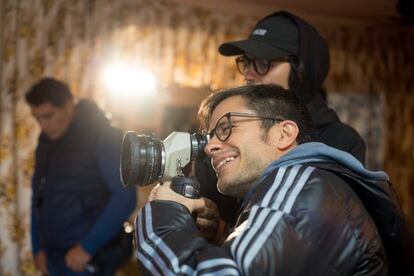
73,41
377,63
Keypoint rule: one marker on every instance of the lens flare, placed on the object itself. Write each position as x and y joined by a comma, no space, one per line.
126,80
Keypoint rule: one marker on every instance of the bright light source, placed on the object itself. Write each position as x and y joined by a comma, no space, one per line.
126,80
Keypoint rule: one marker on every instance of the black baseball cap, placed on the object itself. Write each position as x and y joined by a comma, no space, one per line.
275,36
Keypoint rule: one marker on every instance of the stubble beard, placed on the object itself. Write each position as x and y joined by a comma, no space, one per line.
238,184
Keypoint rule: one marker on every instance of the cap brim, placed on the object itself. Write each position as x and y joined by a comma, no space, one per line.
252,47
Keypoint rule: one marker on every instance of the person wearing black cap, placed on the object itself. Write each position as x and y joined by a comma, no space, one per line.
284,49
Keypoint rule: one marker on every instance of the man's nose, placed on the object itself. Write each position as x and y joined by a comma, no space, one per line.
213,146
43,125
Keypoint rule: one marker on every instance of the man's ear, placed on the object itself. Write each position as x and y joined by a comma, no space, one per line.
288,132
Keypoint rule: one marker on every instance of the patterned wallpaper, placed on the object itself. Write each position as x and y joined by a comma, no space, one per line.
364,111
371,72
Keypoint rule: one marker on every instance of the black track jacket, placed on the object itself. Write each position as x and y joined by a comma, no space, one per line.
306,216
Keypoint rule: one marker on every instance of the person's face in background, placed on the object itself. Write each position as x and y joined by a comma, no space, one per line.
242,158
278,73
53,120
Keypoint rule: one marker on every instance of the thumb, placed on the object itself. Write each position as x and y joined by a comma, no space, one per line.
199,204
153,193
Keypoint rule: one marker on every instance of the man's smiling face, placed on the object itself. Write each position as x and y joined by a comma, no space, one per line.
242,158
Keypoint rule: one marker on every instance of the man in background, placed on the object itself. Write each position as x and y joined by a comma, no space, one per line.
78,202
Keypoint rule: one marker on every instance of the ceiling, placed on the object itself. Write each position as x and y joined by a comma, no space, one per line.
342,10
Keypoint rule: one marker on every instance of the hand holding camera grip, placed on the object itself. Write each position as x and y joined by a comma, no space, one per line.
186,186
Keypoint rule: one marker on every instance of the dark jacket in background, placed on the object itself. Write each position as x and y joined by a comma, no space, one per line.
77,193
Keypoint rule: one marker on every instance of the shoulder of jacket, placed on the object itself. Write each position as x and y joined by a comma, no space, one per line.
295,178
293,172
284,185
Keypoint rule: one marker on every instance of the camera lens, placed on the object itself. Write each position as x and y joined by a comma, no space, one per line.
141,159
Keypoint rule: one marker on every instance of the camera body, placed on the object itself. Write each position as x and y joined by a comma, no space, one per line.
177,154
146,160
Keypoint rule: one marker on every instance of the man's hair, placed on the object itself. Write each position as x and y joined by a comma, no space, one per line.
267,101
49,90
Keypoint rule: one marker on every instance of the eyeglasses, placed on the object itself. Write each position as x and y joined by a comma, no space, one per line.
224,125
260,66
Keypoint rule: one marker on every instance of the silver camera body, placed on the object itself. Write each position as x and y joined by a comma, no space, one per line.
146,159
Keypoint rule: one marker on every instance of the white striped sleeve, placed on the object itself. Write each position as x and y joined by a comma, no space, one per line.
165,247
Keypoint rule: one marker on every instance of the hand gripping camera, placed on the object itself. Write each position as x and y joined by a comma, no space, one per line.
146,160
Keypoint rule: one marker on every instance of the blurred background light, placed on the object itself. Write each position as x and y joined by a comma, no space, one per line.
125,80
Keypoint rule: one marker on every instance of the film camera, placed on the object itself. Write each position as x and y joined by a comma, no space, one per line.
146,160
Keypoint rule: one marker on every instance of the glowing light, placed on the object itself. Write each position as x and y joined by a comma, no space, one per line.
126,80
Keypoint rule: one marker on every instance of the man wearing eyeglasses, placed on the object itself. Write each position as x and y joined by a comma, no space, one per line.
308,209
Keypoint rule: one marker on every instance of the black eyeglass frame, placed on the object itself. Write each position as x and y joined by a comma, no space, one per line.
242,62
228,115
